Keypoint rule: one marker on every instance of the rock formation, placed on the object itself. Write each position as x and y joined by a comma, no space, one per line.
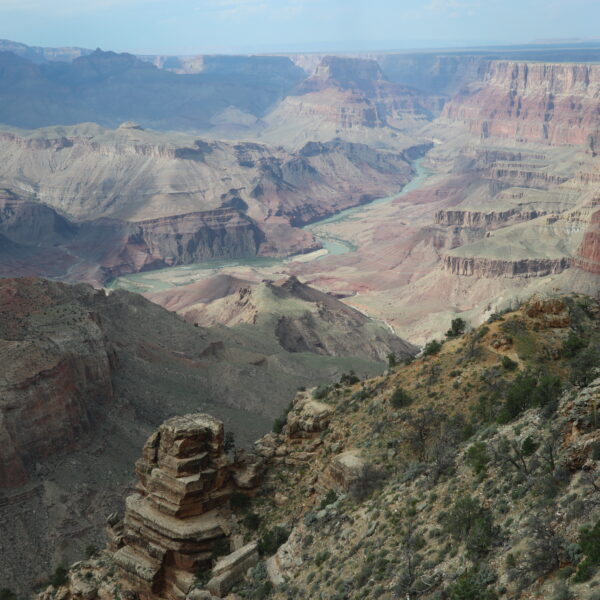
588,256
176,520
489,268
531,102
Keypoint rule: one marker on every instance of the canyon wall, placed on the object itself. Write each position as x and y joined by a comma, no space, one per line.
489,268
588,255
53,386
531,102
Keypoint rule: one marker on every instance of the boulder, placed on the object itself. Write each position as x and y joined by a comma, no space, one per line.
232,568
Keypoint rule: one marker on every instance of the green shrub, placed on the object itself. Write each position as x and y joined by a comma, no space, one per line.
529,446
582,367
469,522
589,541
585,571
470,586
528,391
321,557
321,392
349,378
477,457
509,364
7,594
279,422
457,327
400,398
574,343
431,348
330,498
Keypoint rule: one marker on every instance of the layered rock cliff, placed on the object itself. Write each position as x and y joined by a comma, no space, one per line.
531,102
55,385
175,522
490,268
588,255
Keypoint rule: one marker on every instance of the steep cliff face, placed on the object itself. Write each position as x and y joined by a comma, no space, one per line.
530,102
486,220
54,384
588,255
176,240
490,268
350,98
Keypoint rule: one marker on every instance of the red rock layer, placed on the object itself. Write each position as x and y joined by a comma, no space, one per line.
53,380
532,102
588,257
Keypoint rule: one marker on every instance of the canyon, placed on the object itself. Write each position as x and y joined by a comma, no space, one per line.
305,221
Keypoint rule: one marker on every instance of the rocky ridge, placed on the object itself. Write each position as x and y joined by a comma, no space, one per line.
302,318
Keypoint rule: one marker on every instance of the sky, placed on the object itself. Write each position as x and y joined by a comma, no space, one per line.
204,26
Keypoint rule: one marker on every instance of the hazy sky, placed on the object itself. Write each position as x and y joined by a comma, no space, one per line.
189,26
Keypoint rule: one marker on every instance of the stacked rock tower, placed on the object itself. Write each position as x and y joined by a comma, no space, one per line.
179,514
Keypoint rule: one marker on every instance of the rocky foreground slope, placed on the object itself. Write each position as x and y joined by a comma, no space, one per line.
470,473
87,375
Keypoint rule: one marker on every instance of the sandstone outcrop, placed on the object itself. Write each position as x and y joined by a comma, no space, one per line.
588,255
231,569
345,472
173,523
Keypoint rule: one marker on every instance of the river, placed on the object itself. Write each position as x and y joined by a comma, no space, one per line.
163,279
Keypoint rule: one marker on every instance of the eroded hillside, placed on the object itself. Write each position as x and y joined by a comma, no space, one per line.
87,375
469,473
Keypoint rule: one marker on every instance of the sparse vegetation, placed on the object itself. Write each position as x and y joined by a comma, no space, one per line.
457,327
432,347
